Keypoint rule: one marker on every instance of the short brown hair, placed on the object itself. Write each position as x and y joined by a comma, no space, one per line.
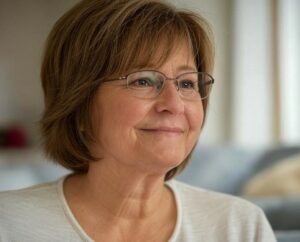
98,39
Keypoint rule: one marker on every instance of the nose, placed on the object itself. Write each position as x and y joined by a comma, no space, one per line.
169,99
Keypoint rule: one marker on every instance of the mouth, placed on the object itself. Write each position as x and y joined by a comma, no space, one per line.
172,131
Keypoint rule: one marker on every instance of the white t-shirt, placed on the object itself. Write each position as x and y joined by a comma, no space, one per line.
40,213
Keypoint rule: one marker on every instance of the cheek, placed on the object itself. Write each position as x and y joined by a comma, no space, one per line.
195,116
119,117
126,114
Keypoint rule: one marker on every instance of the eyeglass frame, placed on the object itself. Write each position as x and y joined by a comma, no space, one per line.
210,82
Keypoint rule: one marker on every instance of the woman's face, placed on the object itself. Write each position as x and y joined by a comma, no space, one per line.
154,134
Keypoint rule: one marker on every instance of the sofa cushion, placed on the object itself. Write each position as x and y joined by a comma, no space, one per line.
282,212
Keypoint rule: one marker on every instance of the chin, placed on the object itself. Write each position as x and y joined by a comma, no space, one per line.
170,160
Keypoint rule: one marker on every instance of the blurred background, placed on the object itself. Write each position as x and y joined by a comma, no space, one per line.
253,125
254,102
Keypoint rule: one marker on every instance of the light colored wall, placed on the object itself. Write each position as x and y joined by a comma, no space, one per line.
265,73
24,26
252,75
289,71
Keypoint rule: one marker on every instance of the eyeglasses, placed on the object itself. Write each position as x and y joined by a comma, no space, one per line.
148,84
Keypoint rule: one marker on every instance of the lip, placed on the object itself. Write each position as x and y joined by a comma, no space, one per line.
166,130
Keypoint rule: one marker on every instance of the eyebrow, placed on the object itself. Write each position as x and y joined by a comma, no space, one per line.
186,68
180,68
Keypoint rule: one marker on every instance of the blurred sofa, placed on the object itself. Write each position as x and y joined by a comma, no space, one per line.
224,169
229,169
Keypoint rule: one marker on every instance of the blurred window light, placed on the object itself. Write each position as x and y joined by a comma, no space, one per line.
289,71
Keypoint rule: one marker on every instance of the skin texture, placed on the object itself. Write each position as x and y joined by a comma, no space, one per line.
138,141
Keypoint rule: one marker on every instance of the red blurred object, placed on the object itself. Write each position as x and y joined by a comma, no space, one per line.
16,137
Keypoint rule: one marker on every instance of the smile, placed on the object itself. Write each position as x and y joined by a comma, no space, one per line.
164,131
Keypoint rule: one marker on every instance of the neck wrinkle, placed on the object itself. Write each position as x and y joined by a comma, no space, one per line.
131,197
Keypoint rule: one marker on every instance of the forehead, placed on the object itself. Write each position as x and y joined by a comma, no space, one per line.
178,54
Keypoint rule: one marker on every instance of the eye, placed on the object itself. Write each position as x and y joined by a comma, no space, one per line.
187,84
142,82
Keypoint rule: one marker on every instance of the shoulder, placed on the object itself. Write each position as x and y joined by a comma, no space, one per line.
29,209
30,196
191,195
211,214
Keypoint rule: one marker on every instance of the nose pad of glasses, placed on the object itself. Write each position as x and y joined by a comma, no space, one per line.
177,85
159,84
162,83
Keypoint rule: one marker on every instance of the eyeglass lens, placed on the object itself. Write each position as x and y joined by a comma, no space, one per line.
148,84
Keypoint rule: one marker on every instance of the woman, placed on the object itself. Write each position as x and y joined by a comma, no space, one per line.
126,87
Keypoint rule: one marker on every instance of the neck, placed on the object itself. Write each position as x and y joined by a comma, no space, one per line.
120,192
